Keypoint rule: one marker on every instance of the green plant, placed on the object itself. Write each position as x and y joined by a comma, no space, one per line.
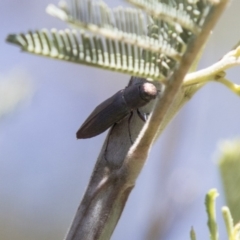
161,43
233,231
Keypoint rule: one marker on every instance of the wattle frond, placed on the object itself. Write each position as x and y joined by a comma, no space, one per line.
78,47
189,14
127,25
122,39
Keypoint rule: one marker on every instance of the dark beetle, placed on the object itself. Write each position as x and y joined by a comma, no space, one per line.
115,108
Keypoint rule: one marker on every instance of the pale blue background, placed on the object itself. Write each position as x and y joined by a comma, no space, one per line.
44,170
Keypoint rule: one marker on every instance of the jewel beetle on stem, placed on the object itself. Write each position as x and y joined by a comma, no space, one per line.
117,107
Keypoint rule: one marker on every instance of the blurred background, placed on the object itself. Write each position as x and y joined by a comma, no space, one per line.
44,170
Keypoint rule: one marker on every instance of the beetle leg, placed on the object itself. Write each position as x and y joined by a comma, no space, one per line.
129,130
143,116
105,151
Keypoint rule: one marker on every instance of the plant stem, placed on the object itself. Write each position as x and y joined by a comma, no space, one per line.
120,162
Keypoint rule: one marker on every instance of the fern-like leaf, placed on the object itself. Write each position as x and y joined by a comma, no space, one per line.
187,14
127,25
118,40
77,47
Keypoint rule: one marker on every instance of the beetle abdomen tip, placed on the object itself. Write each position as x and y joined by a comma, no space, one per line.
82,135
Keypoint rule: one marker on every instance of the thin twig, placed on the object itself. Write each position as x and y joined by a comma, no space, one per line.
231,59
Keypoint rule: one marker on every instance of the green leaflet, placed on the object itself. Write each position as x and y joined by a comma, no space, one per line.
78,47
146,44
124,24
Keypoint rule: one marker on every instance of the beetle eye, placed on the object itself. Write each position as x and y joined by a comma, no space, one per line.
148,91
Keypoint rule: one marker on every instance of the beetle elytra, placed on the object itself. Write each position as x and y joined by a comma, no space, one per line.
117,107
